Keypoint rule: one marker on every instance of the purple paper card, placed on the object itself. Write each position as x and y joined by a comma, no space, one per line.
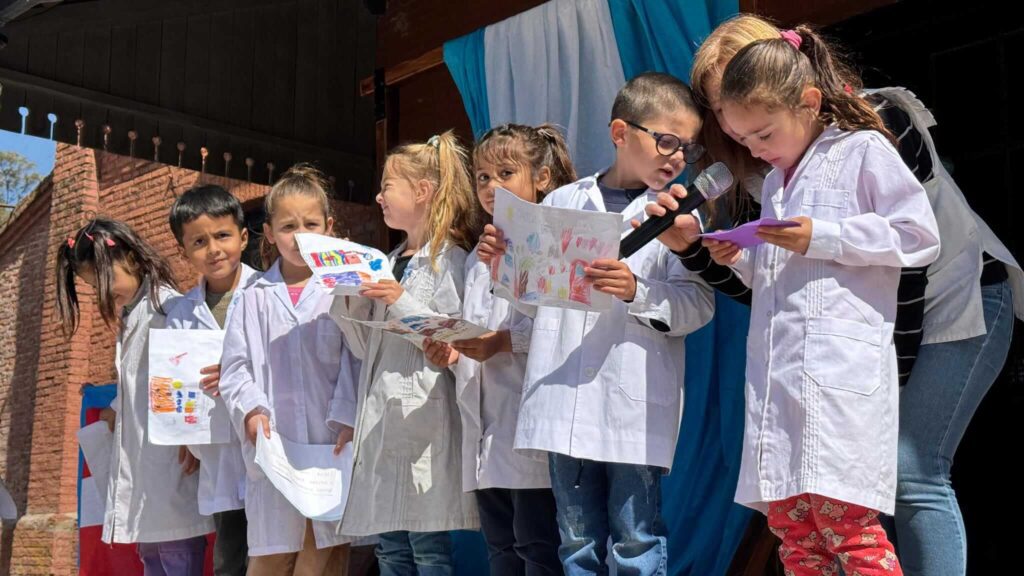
743,236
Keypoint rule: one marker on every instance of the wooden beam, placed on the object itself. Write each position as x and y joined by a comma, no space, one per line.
30,82
405,70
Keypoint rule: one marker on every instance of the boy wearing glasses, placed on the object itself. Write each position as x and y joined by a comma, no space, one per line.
603,391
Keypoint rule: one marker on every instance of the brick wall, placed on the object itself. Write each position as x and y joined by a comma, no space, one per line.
41,370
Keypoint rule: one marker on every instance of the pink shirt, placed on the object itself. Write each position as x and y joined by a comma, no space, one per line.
295,292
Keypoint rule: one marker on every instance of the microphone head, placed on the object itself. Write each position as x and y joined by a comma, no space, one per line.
713,181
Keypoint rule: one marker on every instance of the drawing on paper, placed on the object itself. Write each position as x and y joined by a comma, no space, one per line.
547,251
342,267
179,411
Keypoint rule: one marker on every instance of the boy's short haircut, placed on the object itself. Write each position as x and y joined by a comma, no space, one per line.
210,200
652,94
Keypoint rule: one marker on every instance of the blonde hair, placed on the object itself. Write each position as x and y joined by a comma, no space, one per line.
529,146
301,179
443,162
709,65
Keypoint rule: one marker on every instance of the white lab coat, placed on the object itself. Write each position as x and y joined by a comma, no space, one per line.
148,498
821,391
490,392
408,434
608,386
221,470
292,361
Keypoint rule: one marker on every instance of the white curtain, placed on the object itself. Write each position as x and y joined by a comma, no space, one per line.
557,63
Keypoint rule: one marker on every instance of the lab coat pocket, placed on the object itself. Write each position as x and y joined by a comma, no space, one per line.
825,203
412,427
843,355
646,373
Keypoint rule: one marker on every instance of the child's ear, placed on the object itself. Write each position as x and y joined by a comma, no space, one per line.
244,235
617,130
268,233
424,191
542,182
330,226
811,99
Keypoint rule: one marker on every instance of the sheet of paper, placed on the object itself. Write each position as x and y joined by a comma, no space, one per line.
311,477
547,251
419,326
342,267
179,411
97,443
744,236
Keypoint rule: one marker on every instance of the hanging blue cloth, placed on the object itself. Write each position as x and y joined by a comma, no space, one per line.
464,57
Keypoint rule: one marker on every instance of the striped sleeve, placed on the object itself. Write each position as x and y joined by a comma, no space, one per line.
908,332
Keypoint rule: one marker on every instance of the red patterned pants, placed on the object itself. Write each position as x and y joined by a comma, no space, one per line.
820,533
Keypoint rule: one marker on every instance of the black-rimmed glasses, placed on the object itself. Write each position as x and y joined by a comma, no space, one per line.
669,144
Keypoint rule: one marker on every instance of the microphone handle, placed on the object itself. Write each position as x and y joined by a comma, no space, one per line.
653,227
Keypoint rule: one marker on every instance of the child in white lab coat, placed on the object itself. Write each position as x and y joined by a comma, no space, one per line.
819,454
603,392
513,491
151,499
286,370
408,437
209,225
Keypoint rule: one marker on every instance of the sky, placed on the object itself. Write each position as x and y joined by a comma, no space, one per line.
38,150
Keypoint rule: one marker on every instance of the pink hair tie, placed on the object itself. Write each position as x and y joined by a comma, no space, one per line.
71,242
792,37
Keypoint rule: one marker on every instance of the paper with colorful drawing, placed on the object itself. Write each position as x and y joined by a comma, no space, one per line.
416,327
179,411
548,250
342,267
311,477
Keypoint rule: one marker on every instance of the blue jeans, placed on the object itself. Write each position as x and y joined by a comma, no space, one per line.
598,500
174,558
945,388
415,554
520,530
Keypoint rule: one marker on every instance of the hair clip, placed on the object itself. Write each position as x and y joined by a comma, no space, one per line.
434,141
848,89
71,243
109,242
793,37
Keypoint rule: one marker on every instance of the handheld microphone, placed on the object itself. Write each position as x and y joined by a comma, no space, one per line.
709,184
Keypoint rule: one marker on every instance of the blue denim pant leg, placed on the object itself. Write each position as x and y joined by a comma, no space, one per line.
415,554
597,501
639,536
946,387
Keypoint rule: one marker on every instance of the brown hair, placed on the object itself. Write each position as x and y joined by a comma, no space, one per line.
774,74
782,68
301,179
443,162
532,147
101,244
